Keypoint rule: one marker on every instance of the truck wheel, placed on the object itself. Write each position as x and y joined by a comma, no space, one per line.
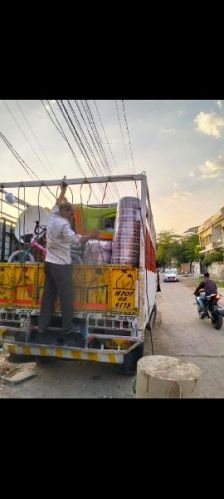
129,365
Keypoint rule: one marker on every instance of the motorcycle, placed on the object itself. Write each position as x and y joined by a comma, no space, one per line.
211,309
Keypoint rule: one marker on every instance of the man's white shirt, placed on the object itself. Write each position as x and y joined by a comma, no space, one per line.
60,236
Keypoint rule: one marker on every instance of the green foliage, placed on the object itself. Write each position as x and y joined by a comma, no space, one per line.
214,256
192,248
166,242
170,245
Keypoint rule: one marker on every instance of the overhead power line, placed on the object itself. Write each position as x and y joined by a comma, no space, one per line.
105,135
91,135
97,134
129,139
77,138
34,135
26,138
94,129
88,145
62,133
108,144
101,164
60,129
75,135
23,163
96,140
122,135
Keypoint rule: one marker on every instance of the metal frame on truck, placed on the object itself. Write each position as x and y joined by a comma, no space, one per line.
111,332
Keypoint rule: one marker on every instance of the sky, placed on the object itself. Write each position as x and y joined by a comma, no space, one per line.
179,144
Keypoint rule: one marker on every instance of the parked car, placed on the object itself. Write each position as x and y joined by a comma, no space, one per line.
170,275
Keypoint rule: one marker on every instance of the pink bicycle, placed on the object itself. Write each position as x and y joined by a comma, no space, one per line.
30,242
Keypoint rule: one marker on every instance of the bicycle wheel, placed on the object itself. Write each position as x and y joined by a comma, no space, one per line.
20,256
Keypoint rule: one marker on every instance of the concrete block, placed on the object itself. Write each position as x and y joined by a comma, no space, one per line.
22,375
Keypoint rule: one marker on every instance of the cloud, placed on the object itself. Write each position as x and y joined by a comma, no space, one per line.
169,131
180,112
211,169
210,123
177,196
220,104
192,174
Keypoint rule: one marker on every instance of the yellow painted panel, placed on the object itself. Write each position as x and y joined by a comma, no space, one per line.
38,285
2,330
24,278
11,348
43,351
111,358
96,287
115,343
6,286
58,352
123,289
96,281
75,354
92,356
26,350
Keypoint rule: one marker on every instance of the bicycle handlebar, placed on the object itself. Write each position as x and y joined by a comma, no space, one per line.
37,228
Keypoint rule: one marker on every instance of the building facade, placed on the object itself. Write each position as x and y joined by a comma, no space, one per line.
211,233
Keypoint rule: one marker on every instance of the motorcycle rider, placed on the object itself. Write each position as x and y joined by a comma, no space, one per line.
209,287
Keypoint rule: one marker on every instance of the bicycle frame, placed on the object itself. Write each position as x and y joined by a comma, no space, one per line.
33,244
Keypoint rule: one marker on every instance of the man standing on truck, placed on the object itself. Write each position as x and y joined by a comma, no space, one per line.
57,266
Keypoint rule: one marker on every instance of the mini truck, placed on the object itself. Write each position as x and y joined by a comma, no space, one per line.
113,304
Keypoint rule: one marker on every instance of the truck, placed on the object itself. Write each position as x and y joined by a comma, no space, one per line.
114,300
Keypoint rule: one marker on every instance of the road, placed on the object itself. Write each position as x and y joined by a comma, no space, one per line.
72,379
178,332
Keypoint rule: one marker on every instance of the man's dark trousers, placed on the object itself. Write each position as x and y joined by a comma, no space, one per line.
58,281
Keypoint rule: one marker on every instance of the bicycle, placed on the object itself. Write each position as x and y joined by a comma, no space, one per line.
25,254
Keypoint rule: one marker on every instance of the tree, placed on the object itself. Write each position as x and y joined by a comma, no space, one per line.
192,248
181,252
183,249
167,243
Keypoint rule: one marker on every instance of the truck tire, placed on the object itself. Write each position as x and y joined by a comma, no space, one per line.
129,366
